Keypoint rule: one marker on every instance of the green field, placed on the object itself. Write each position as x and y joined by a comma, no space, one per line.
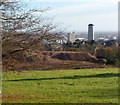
61,86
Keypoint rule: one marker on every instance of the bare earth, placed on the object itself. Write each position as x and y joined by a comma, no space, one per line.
49,60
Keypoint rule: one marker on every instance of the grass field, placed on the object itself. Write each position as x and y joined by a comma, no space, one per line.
61,86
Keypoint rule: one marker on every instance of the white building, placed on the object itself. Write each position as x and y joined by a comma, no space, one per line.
81,39
71,37
90,32
113,38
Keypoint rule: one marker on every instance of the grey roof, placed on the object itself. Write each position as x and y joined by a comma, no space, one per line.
90,25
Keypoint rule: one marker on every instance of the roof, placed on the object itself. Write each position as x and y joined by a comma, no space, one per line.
90,25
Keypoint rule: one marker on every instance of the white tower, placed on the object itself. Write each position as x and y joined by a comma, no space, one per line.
90,32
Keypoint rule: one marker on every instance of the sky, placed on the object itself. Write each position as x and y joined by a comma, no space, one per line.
77,14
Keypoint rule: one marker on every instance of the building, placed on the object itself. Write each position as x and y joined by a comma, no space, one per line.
90,32
81,39
71,37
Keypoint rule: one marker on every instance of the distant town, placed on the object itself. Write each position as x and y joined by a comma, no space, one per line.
106,39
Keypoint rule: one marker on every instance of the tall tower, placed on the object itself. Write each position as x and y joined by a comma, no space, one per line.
90,32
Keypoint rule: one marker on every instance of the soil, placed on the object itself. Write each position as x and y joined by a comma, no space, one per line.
49,60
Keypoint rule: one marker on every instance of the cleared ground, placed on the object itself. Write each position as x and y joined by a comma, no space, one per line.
61,86
49,60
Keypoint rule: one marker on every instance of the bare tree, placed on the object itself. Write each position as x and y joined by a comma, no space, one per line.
21,28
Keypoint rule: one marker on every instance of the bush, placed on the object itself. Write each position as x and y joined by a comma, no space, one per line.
29,59
72,49
109,53
104,60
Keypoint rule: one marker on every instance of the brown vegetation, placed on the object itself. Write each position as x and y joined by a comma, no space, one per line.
48,60
111,54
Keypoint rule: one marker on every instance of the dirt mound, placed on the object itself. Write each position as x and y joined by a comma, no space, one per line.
47,60
74,56
26,60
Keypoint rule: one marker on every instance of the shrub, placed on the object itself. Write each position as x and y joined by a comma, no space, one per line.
109,53
72,49
104,60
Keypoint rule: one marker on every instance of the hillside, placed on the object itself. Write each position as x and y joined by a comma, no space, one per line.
49,60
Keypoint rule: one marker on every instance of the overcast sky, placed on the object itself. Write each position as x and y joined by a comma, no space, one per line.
77,14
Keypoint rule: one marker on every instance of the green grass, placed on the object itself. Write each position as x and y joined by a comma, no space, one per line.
61,86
